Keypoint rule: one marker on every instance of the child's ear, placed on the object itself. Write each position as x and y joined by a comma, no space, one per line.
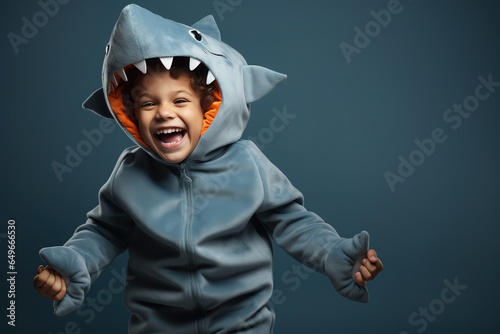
97,104
258,81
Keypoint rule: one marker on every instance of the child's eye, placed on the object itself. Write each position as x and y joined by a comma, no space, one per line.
147,104
179,101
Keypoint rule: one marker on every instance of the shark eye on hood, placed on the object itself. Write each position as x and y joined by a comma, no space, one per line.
196,35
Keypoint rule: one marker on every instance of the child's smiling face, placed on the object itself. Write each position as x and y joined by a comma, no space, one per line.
169,115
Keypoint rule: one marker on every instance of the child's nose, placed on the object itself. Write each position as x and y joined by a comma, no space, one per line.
165,112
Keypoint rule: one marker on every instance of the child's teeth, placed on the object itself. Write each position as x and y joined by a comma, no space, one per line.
167,131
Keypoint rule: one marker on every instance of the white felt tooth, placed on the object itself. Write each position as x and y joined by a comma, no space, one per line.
122,74
167,62
141,66
111,88
210,78
114,80
193,63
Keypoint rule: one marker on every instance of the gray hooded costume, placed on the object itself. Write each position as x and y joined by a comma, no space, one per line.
199,233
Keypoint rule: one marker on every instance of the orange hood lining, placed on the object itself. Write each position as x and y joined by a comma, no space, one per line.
116,103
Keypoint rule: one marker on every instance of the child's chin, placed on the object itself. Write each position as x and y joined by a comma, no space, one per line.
172,161
173,157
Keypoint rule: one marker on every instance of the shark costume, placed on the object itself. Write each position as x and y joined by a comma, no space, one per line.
199,233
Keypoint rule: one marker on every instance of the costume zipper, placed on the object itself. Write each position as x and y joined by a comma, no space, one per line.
187,186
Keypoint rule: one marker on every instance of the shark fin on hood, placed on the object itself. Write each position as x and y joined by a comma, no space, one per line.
96,103
208,26
259,81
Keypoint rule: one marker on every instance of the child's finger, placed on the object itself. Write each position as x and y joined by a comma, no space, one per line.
48,280
358,278
379,266
41,278
370,266
374,268
374,264
51,279
55,289
60,295
366,274
372,255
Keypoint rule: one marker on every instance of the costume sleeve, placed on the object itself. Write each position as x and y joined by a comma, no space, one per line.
92,247
305,236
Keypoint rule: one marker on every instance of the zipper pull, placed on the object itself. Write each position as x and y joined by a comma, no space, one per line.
184,176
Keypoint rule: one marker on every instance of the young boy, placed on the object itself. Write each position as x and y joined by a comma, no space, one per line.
196,208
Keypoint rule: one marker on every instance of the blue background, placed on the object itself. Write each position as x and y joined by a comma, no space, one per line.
352,122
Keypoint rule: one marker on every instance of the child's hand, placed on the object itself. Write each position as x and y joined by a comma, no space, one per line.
49,283
369,269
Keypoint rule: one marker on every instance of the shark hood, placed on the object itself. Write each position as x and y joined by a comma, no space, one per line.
140,35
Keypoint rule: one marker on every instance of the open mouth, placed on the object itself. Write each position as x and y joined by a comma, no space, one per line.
170,137
166,62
